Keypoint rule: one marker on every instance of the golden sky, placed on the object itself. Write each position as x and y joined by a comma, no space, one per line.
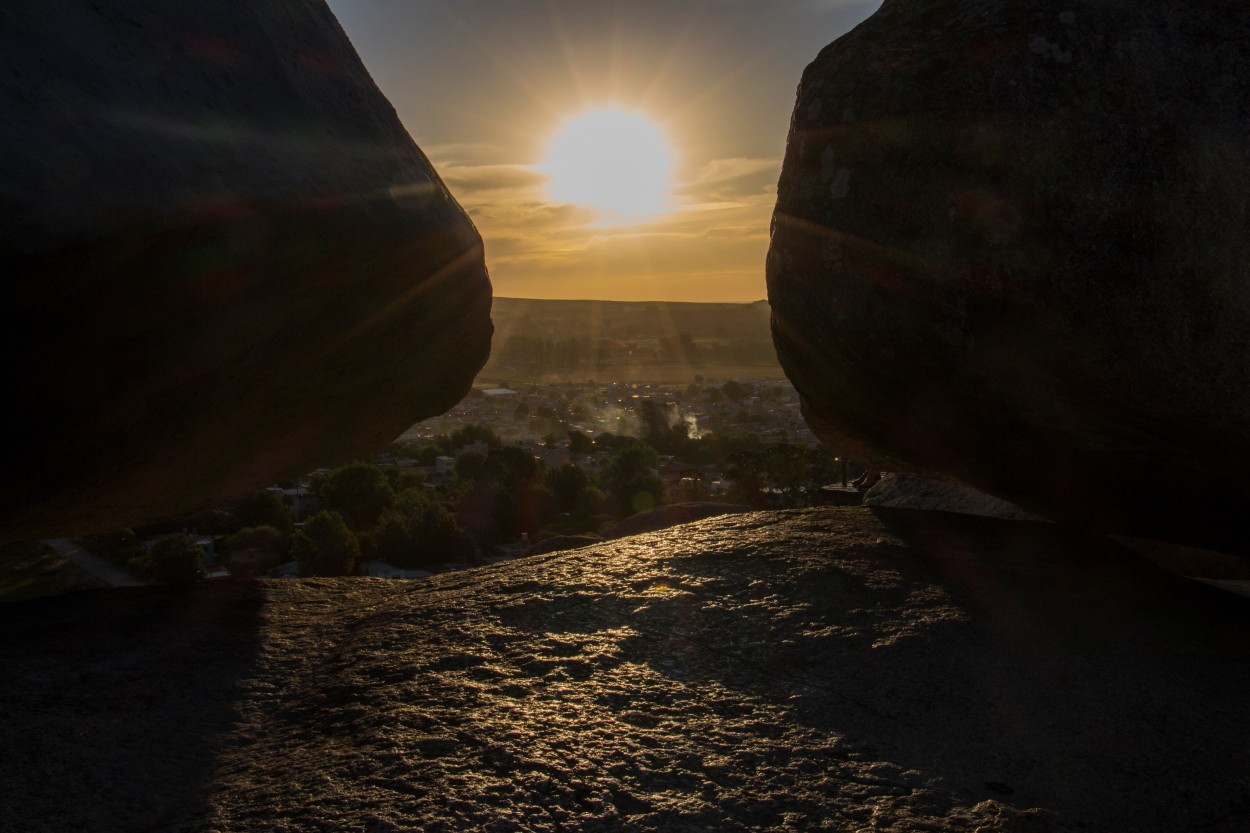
484,85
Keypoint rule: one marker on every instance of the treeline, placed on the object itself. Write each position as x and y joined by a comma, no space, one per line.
389,512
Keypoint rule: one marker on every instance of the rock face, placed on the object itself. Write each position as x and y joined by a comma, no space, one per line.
904,491
835,670
1010,247
224,259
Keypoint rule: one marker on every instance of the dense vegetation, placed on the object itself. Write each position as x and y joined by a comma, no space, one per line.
494,494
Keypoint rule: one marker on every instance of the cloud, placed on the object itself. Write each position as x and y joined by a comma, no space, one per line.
475,178
733,179
725,170
712,243
736,233
465,153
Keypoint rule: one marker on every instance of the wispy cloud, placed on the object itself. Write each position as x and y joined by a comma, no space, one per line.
477,178
724,170
465,153
733,180
714,238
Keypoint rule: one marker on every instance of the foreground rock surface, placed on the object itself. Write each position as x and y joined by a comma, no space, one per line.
840,669
1010,248
224,259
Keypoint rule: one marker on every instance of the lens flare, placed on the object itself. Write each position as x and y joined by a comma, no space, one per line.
613,160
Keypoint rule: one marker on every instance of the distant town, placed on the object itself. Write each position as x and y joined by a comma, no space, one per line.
544,453
529,413
513,470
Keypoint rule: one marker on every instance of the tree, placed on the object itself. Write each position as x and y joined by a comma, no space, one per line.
565,482
176,559
689,350
507,497
359,492
731,445
514,466
630,479
255,549
119,547
263,508
478,509
786,467
428,455
525,510
735,391
822,469
745,486
579,443
654,418
469,465
664,438
325,546
590,501
419,532
407,448
470,434
216,521
608,441
267,539
404,479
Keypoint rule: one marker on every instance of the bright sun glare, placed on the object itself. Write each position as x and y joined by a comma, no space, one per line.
612,160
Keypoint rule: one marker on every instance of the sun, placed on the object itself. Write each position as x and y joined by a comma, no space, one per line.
613,160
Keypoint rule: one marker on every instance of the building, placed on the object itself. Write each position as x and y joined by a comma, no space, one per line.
303,502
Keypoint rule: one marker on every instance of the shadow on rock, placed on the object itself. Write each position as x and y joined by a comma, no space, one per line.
115,704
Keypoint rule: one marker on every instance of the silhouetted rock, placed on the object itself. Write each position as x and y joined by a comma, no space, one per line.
839,669
224,259
1010,247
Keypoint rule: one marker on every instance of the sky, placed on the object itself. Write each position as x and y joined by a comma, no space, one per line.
484,87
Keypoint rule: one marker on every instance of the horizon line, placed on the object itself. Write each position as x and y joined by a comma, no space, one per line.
622,301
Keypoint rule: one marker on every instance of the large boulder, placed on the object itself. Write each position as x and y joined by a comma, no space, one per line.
224,260
1011,248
